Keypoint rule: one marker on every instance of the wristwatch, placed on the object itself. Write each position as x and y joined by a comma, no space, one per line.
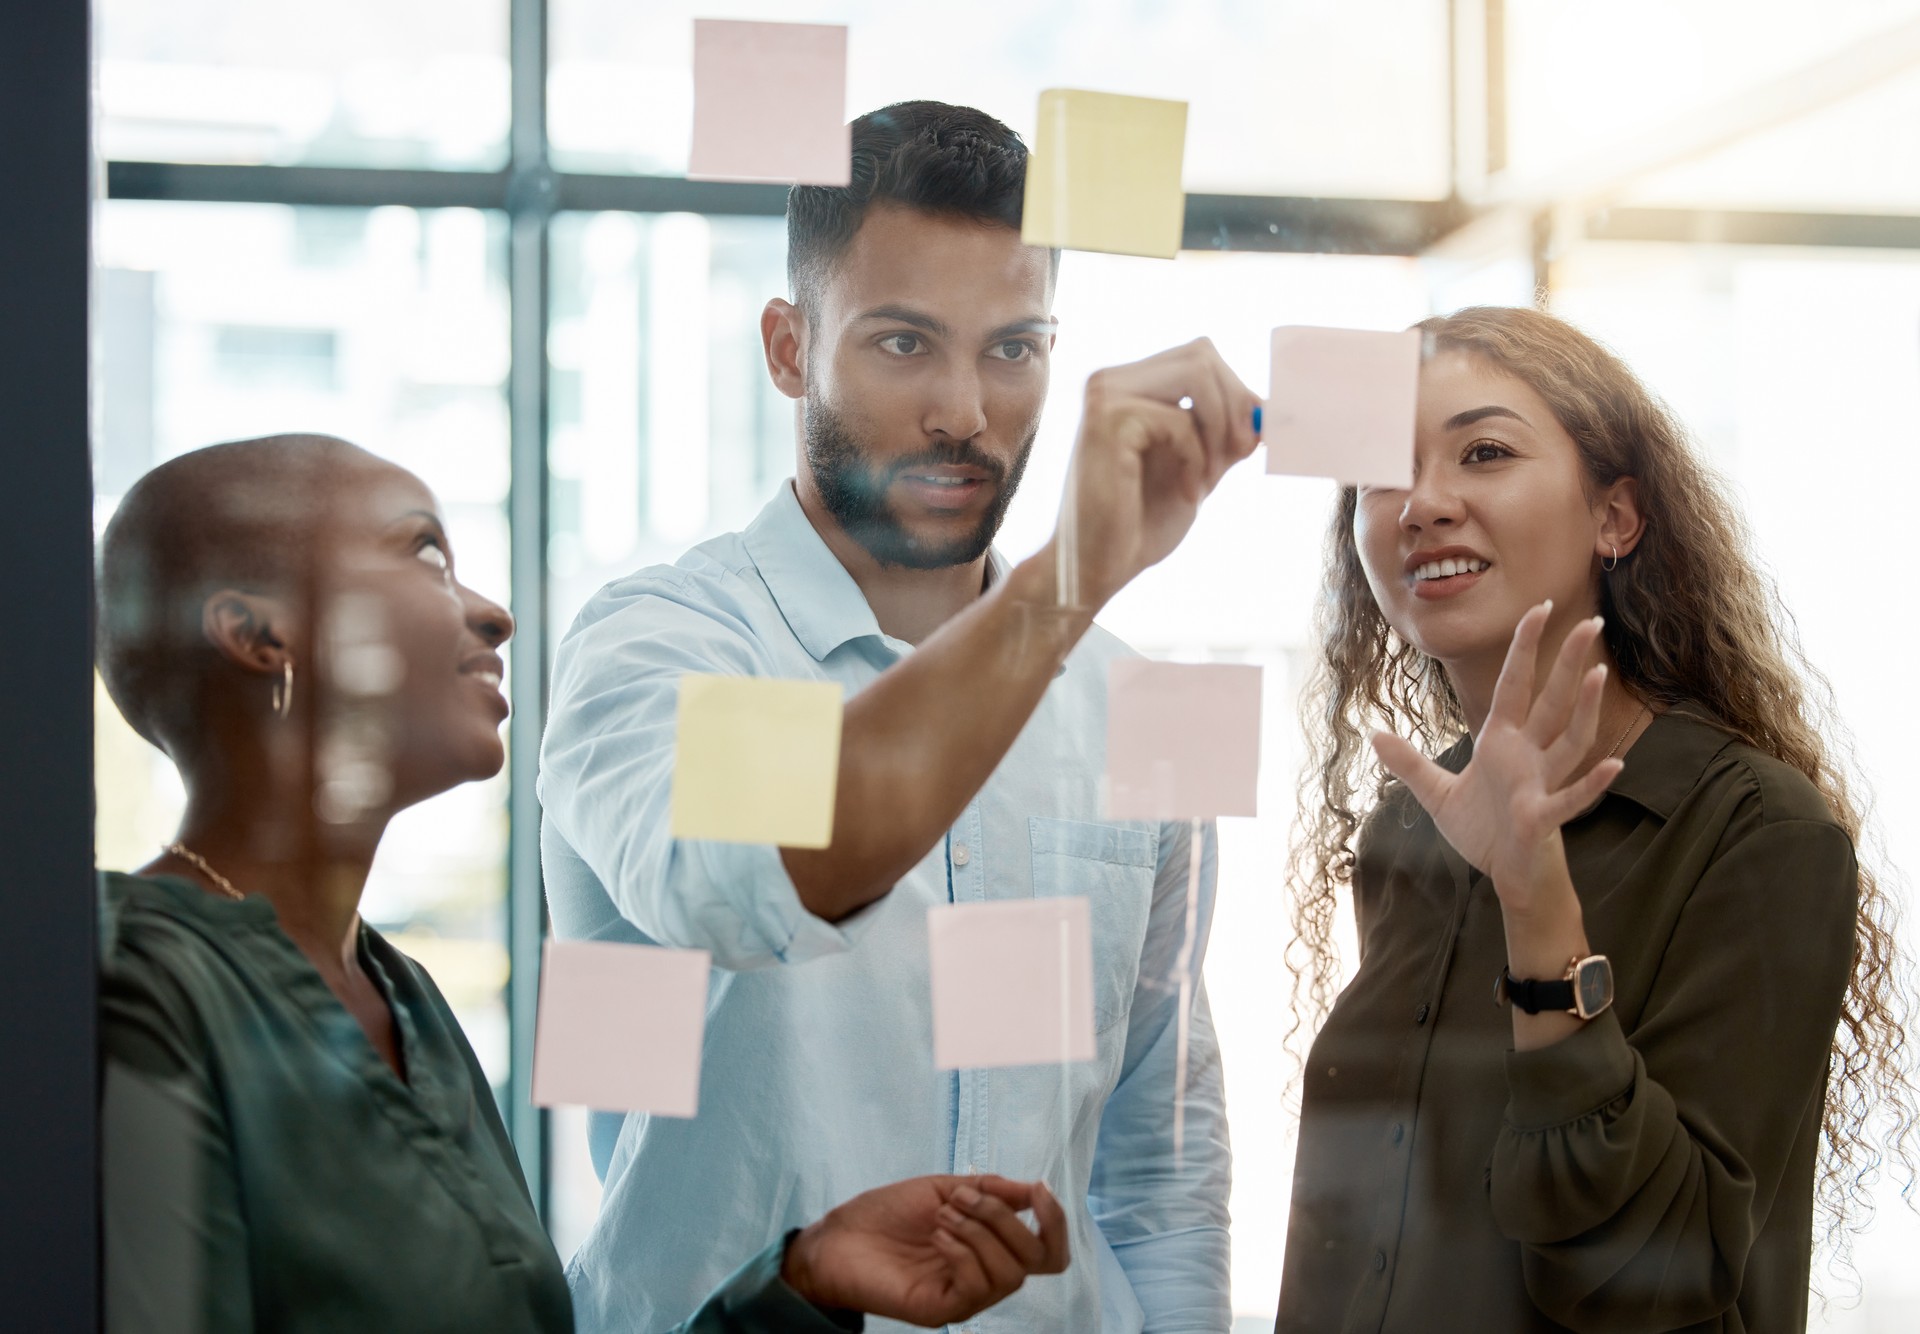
1585,990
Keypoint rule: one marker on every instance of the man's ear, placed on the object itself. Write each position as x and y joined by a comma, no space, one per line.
1622,525
246,628
783,336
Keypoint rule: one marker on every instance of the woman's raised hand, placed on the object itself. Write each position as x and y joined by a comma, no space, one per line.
1503,812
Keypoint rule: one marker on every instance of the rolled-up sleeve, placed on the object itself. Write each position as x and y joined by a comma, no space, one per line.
606,779
1637,1171
1163,1209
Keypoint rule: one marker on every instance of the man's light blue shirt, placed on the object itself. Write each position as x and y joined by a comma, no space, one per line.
817,1079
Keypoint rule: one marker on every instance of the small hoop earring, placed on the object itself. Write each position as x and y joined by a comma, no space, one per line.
283,690
1613,561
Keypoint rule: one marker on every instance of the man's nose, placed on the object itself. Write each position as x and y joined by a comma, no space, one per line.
959,408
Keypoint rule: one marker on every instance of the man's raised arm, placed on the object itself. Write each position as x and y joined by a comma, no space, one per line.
1155,438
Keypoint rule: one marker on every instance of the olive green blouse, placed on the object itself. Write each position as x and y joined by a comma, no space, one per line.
263,1168
1653,1171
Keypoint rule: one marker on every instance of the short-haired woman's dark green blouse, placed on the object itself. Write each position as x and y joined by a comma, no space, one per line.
264,1169
1653,1171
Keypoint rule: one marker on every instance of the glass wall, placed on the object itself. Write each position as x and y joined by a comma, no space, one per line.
387,327
1308,99
359,84
1798,367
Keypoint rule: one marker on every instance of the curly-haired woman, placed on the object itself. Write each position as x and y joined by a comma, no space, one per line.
1625,994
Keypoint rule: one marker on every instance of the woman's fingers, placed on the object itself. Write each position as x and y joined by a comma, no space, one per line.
1551,711
1570,747
1569,801
1425,779
1513,693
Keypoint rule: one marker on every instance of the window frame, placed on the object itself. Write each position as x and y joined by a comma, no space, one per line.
530,192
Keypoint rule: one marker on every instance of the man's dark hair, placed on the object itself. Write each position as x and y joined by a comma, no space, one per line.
926,155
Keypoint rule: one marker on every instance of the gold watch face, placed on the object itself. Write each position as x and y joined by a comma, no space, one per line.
1593,986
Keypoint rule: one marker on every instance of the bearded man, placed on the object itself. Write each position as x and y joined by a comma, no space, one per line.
916,340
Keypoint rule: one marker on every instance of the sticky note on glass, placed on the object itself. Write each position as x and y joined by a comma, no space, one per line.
1104,174
770,102
1183,739
1012,982
1342,405
756,760
620,1027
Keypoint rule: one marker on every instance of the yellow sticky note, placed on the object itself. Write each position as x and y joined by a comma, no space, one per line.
1104,174
756,760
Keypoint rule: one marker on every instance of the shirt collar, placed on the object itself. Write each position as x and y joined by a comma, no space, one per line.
1667,761
1661,767
822,604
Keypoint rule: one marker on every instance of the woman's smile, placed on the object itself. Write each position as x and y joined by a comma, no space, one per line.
1444,572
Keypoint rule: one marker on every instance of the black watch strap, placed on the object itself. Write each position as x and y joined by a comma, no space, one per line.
1535,995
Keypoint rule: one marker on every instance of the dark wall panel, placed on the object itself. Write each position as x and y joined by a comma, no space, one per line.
48,1237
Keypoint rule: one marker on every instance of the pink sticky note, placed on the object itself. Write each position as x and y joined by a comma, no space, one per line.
620,1027
1183,740
1341,405
770,103
1012,982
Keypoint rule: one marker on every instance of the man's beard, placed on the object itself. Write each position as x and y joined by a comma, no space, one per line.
856,494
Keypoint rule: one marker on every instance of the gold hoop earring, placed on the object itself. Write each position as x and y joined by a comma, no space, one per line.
1615,560
283,690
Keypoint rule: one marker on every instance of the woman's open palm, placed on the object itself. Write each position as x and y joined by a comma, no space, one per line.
1503,812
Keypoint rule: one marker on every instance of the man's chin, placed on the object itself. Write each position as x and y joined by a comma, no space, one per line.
921,545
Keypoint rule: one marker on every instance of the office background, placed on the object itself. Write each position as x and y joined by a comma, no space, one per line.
459,232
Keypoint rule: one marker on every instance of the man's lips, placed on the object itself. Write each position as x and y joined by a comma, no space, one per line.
945,488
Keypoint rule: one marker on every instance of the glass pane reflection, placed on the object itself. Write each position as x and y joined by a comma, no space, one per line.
1347,99
356,84
387,327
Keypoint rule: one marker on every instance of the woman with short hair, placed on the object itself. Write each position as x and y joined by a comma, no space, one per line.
297,1134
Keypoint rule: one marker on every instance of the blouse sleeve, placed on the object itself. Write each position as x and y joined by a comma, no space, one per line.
176,1242
1636,1172
756,1300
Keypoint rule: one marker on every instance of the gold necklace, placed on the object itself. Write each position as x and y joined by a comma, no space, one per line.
1630,726
187,854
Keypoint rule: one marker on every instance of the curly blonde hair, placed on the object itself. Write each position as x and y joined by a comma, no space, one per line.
1690,618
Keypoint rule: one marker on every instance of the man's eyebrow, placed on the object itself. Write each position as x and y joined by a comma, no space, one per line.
907,315
1039,324
1472,415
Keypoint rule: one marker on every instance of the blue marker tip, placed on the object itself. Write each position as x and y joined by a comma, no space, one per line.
1256,420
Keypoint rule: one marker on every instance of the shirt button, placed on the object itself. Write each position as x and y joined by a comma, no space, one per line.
1379,1262
960,854
1420,1015
1399,1132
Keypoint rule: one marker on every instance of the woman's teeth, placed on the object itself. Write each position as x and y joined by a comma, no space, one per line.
491,678
1443,569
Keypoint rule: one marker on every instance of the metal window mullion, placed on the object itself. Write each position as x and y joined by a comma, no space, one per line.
529,200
